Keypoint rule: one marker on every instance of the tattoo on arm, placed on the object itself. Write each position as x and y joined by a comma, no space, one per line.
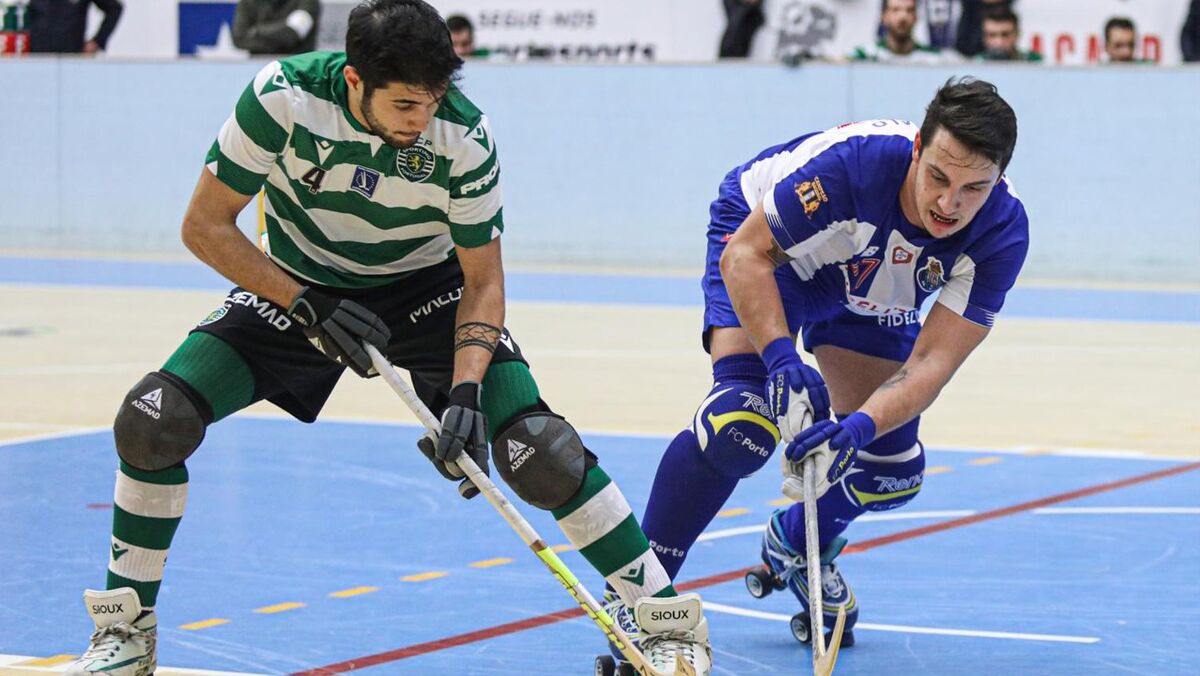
777,255
897,378
478,334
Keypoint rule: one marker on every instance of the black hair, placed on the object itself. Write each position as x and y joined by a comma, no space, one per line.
458,22
400,41
973,113
1118,22
1003,14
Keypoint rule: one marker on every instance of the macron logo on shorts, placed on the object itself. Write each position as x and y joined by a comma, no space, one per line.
518,453
150,403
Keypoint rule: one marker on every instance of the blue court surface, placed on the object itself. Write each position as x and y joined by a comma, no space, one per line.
336,545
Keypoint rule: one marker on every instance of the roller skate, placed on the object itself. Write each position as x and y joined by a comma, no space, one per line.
622,615
786,569
125,639
667,630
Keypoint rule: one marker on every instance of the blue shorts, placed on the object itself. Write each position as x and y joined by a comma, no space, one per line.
815,310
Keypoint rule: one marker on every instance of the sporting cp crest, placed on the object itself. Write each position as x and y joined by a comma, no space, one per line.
416,162
931,277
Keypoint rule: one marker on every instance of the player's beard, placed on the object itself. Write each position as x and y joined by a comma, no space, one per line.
379,130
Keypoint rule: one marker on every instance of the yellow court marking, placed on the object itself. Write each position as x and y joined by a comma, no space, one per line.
488,563
204,624
353,591
280,607
782,502
421,577
735,511
989,460
1037,450
47,661
559,549
938,469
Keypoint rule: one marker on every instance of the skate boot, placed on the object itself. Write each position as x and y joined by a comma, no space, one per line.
622,615
673,627
787,568
125,639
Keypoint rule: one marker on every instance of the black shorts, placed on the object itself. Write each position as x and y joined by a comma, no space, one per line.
289,372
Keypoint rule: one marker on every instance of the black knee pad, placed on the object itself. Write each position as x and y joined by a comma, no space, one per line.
542,458
160,423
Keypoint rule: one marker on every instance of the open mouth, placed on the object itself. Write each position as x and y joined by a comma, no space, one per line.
940,219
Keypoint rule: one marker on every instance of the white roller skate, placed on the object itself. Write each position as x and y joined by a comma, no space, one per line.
787,568
124,643
662,628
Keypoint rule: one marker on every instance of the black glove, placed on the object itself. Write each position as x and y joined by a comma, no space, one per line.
338,328
463,429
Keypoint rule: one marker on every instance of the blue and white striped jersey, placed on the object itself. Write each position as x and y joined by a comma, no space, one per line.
832,202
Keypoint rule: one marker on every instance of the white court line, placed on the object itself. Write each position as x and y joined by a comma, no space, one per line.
53,435
9,666
906,629
900,516
1117,510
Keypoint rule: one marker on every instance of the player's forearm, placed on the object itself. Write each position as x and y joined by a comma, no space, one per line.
480,319
225,249
907,394
750,279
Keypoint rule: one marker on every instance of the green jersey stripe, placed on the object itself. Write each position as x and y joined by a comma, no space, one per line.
371,259
254,120
231,173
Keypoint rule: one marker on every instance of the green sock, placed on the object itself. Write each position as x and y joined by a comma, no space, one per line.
147,507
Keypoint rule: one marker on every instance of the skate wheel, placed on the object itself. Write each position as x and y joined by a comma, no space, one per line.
801,625
759,583
605,665
626,669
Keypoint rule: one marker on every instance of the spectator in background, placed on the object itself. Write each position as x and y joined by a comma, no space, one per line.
59,25
970,27
1189,38
742,19
942,18
276,26
1120,38
462,35
897,44
1001,31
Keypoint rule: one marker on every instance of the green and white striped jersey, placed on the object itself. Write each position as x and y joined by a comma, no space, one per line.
343,208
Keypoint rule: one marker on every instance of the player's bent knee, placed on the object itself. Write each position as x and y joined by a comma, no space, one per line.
882,482
541,456
734,430
161,422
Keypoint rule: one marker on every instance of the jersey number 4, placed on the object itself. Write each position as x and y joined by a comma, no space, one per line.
313,179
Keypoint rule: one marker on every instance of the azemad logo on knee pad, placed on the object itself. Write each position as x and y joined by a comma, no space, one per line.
150,403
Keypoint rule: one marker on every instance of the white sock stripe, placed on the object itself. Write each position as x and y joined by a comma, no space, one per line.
655,578
597,517
892,459
136,563
146,499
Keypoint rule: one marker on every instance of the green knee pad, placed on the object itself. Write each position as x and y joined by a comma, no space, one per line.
508,388
215,370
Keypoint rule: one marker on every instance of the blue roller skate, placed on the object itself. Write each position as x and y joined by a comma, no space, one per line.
786,568
622,615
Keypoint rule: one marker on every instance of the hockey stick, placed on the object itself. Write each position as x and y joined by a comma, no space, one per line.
528,535
823,658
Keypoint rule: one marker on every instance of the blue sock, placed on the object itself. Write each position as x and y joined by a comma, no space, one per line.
688,488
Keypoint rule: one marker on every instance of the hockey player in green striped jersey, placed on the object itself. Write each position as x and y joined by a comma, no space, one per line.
383,222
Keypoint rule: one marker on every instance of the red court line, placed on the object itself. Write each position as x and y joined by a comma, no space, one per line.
865,545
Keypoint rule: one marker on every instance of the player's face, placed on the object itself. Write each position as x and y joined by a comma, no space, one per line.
399,113
950,184
464,42
899,17
1120,44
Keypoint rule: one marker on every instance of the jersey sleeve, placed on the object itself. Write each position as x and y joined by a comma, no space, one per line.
256,133
476,204
807,202
976,289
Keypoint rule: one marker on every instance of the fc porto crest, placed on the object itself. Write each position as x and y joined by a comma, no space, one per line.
932,276
812,195
416,162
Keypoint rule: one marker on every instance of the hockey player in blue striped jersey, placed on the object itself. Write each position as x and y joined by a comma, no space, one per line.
840,237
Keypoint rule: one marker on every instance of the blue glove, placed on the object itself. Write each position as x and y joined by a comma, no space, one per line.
796,392
844,439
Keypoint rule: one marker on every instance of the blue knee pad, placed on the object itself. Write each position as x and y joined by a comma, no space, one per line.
888,472
733,425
